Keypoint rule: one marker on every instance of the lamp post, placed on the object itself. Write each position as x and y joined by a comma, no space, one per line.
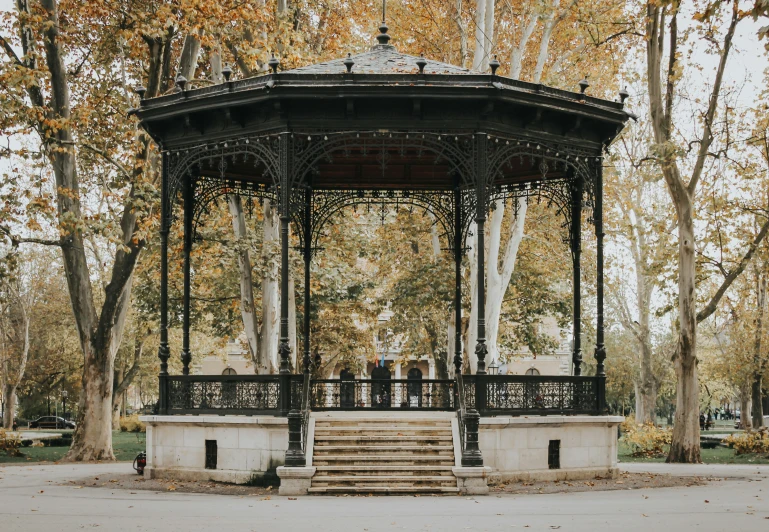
64,395
493,368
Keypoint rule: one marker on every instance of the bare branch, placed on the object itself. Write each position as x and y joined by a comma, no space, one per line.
710,308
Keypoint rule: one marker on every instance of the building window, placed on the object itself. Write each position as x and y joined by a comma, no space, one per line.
229,371
532,371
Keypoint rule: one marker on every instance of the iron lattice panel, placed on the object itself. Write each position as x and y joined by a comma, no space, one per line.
223,394
415,394
539,394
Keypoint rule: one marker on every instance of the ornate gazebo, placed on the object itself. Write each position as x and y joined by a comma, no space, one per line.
382,128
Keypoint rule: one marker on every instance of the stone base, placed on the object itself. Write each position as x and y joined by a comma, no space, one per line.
550,475
516,448
295,480
201,475
472,480
247,447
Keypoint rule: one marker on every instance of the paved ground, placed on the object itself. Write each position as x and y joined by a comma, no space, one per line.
32,499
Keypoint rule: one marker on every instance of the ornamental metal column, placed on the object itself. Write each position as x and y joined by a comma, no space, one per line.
481,350
284,349
289,402
163,351
471,453
188,195
575,237
600,349
307,252
458,279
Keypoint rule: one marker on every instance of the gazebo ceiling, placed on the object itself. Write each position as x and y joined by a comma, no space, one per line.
378,92
401,170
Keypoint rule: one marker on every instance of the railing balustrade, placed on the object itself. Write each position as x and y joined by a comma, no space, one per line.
489,395
515,395
221,394
380,394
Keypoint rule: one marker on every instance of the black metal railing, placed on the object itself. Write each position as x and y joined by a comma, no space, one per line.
221,394
468,421
298,418
373,394
516,395
488,395
306,409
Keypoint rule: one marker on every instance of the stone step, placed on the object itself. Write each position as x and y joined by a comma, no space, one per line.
384,421
390,448
404,471
388,469
402,461
383,453
374,431
389,480
386,417
384,490
321,438
403,420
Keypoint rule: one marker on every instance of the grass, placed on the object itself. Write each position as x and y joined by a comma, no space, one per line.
718,455
126,445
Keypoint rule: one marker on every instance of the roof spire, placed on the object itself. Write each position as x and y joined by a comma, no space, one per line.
383,38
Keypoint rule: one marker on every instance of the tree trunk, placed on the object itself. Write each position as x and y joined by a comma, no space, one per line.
498,275
686,431
516,58
116,398
758,404
270,330
757,410
647,388
450,330
247,309
745,396
470,332
480,53
9,396
462,33
292,323
188,61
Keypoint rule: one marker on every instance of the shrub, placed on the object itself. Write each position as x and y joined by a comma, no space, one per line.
10,443
628,425
647,440
749,442
132,424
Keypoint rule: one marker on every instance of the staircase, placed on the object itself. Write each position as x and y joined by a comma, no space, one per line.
383,453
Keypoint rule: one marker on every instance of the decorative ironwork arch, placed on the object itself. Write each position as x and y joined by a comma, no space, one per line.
188,161
455,149
209,190
327,203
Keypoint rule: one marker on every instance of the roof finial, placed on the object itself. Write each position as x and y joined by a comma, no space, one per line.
383,38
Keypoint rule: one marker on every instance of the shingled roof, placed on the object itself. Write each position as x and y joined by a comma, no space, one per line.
382,59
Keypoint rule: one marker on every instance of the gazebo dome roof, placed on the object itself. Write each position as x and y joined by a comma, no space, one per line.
382,59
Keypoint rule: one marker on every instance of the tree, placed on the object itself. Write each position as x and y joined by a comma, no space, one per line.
640,223
661,27
497,28
104,170
15,302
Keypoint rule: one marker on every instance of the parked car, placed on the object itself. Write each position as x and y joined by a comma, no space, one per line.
51,422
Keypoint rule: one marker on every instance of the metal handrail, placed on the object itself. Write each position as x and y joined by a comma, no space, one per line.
461,409
305,410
